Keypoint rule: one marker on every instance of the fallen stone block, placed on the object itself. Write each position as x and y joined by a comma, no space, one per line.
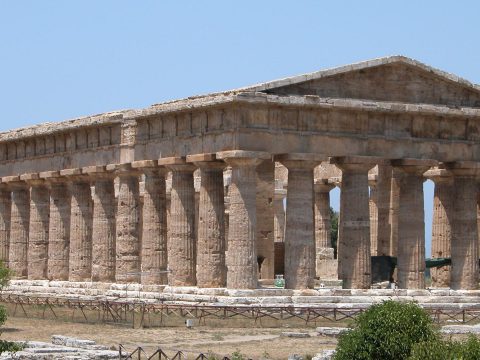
330,331
295,335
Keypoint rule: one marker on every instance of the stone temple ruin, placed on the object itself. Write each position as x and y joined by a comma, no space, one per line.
190,192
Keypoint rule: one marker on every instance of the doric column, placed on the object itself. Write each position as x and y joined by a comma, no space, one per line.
300,233
464,247
265,218
211,268
394,209
355,221
181,231
5,214
38,227
383,185
154,232
242,272
323,247
279,215
411,224
127,261
441,223
59,226
373,206
103,223
80,257
19,222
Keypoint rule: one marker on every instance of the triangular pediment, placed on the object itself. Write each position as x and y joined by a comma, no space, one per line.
396,79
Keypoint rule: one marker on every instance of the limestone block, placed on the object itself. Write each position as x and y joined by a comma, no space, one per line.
325,253
327,268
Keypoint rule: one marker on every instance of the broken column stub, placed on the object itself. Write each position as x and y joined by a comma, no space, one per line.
441,223
103,223
464,245
19,226
59,226
355,220
154,231
181,231
127,260
411,225
300,259
39,226
211,268
241,257
80,257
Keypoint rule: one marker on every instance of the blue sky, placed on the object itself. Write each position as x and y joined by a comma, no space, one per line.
62,59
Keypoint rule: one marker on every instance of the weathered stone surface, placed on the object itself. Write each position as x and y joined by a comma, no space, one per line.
80,258
38,231
265,218
211,267
59,231
19,223
154,232
182,250
411,233
5,215
300,234
104,232
279,215
355,223
323,249
127,263
441,224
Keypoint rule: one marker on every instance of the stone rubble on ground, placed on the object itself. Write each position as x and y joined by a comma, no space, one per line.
324,355
294,334
62,347
330,331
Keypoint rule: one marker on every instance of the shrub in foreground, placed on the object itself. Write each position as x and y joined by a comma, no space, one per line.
386,331
447,350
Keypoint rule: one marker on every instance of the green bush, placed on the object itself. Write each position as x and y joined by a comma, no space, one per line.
386,331
447,350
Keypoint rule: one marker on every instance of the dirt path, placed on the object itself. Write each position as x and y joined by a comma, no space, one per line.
253,342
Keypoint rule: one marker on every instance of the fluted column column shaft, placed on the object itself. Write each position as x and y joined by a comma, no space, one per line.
355,225
300,257
20,220
104,231
154,236
394,209
279,215
182,245
211,269
322,215
128,249
383,193
80,258
411,228
5,215
59,230
38,230
441,227
373,206
464,247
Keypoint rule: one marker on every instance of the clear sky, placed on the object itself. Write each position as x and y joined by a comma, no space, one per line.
63,59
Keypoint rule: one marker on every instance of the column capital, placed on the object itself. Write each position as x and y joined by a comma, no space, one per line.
280,194
98,172
413,166
14,182
122,170
300,160
32,179
438,175
206,161
323,185
243,158
74,175
356,163
177,163
463,168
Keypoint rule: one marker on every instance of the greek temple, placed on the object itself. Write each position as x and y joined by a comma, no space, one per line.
226,190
